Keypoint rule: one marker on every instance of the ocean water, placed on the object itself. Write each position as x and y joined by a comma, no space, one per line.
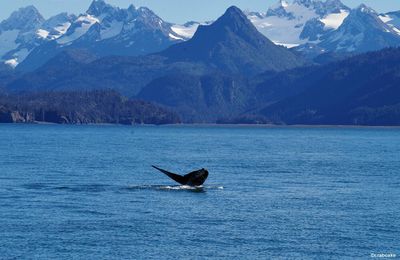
88,192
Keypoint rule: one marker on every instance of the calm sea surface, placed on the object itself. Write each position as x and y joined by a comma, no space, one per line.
88,192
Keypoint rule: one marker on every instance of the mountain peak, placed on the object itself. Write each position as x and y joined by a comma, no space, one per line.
233,44
131,8
365,9
306,3
279,10
29,9
234,10
233,13
58,20
25,19
333,2
234,18
361,31
335,6
99,7
280,4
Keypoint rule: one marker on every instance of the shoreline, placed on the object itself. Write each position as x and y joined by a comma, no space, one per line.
216,125
281,126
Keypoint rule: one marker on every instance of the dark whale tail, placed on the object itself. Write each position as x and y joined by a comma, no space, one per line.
196,178
178,178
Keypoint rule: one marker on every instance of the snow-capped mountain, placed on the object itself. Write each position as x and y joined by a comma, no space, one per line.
24,20
363,30
17,35
25,30
103,21
108,30
308,23
299,22
315,27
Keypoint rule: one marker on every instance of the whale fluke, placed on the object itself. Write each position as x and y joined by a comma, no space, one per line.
195,178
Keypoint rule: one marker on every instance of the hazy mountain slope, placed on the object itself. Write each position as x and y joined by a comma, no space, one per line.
364,89
205,98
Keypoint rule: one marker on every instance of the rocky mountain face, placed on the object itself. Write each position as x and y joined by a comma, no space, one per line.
232,44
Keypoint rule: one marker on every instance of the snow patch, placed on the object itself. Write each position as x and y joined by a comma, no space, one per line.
12,63
63,28
86,21
393,21
385,18
42,33
55,33
334,21
174,37
186,32
279,29
287,45
284,30
396,30
18,57
284,3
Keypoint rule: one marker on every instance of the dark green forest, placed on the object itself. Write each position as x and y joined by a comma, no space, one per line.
81,107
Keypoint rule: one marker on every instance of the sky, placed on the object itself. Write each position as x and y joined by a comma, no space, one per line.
176,11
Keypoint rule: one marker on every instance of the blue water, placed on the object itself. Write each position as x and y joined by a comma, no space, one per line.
88,192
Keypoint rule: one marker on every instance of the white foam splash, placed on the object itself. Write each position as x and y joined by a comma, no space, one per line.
176,188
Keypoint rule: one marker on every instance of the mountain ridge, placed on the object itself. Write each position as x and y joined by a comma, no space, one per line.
130,74
363,89
108,30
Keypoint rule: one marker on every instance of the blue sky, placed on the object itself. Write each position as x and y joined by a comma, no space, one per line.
178,11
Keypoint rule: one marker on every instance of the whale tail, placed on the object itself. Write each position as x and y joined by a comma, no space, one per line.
178,178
